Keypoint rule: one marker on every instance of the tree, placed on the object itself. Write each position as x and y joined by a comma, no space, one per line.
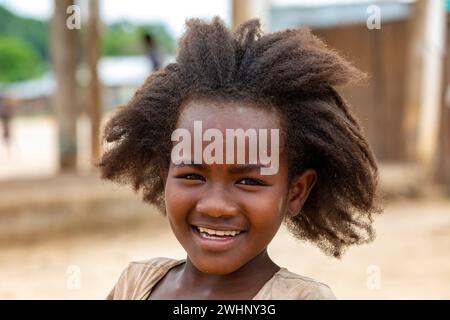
18,60
31,31
124,38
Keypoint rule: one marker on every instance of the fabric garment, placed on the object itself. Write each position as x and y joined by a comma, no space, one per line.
138,279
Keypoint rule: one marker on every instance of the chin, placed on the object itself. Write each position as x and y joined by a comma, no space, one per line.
213,265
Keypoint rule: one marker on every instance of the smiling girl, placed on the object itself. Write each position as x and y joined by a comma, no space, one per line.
225,214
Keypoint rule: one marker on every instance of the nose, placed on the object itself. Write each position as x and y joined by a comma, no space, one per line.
216,202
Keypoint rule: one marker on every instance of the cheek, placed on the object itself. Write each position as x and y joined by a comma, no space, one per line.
266,211
178,200
179,203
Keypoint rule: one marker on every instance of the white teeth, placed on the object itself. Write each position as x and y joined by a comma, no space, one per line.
218,232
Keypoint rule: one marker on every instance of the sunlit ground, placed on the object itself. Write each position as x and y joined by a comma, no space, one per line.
32,151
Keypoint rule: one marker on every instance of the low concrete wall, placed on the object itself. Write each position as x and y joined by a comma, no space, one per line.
67,203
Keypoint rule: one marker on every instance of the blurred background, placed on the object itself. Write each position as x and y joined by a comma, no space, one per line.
65,65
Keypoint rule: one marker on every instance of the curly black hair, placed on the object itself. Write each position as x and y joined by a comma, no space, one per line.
292,70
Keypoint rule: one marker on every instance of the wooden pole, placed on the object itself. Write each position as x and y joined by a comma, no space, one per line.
415,73
94,89
444,154
244,10
64,49
425,85
431,84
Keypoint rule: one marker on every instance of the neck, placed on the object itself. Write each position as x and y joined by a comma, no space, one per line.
254,273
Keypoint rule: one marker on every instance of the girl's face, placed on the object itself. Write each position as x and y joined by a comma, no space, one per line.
225,197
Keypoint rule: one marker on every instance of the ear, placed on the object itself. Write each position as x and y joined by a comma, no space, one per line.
299,191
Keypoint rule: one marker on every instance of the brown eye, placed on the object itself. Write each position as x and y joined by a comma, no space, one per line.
190,176
251,182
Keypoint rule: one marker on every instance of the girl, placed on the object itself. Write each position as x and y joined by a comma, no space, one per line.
226,214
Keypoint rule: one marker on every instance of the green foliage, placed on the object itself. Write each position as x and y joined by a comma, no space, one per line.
124,38
24,44
18,61
33,32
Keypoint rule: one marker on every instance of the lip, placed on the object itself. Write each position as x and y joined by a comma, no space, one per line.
219,227
216,245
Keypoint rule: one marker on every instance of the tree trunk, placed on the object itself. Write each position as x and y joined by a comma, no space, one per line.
425,84
64,49
244,10
95,98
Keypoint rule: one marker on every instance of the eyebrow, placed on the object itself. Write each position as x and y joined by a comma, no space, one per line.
245,168
198,166
239,169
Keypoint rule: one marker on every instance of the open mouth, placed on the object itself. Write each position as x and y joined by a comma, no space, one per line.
208,233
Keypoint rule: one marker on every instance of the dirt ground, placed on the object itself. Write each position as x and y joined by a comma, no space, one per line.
410,258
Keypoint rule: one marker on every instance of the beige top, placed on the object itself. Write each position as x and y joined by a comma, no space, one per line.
138,279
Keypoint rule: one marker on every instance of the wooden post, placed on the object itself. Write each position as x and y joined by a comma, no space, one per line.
425,85
415,73
444,154
244,10
94,89
64,50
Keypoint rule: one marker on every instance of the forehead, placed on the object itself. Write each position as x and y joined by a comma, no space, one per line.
227,115
255,131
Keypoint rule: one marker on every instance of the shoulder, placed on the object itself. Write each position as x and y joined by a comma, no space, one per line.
139,276
142,266
291,286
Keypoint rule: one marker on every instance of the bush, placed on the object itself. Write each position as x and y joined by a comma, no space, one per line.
18,61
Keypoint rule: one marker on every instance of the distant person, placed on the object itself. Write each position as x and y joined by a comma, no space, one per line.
6,113
153,52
